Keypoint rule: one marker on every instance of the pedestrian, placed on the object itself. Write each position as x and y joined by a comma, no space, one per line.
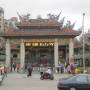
5,71
25,67
14,66
58,69
29,68
88,70
68,69
72,67
62,68
17,66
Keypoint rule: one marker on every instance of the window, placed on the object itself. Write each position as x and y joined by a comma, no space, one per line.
81,79
89,79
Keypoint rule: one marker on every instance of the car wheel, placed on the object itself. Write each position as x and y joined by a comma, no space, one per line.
72,88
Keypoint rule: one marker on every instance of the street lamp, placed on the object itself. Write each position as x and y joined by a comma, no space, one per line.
83,42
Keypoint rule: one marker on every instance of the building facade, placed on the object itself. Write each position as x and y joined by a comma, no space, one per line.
41,42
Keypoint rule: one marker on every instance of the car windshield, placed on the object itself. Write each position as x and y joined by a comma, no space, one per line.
65,78
82,79
89,79
79,78
71,77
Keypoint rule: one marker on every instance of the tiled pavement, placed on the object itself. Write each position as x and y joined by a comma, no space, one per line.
18,81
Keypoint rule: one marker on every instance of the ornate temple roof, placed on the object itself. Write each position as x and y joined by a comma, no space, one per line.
39,27
42,32
38,23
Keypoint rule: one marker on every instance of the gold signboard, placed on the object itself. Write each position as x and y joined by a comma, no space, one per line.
39,44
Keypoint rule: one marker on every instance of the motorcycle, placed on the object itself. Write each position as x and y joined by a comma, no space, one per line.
45,75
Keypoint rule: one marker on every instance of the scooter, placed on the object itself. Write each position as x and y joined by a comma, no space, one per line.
45,75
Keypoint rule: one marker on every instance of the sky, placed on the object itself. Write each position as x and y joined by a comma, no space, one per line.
71,9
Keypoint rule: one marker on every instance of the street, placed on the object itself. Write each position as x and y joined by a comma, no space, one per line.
17,81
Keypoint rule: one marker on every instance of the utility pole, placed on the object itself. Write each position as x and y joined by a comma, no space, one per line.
83,41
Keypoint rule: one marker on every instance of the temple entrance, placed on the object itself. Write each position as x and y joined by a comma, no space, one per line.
40,56
63,57
43,56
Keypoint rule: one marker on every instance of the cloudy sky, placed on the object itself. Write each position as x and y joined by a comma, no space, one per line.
71,9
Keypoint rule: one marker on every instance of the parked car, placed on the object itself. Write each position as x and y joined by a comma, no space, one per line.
75,82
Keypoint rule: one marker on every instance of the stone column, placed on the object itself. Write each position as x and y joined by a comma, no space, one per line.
22,54
8,53
56,52
71,51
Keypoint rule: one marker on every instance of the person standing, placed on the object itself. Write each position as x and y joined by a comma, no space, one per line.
72,67
17,66
30,68
88,70
5,71
62,68
58,69
25,67
14,66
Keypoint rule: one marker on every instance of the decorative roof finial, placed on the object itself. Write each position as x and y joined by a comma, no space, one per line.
24,18
54,17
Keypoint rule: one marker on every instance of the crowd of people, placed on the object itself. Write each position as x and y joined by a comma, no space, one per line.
69,68
72,69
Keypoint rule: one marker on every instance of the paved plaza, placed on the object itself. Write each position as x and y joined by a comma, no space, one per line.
17,81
